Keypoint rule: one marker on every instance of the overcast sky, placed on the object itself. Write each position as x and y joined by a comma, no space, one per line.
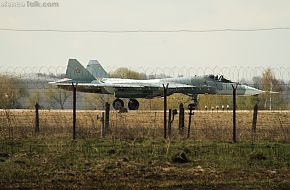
148,50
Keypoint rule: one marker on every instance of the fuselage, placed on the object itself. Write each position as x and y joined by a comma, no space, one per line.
208,84
87,80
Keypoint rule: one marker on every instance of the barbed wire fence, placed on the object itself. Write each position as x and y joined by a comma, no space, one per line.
36,80
234,73
17,119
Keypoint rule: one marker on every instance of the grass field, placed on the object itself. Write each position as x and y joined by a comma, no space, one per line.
142,164
217,126
134,155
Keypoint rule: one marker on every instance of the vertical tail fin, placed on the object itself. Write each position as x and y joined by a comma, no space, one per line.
77,72
96,69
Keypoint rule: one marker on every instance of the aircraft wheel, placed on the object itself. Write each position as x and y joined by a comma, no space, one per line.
118,104
191,106
133,104
194,103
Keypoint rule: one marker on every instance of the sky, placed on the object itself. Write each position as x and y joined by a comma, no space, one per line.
42,51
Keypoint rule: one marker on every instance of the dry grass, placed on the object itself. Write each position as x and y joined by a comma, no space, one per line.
273,126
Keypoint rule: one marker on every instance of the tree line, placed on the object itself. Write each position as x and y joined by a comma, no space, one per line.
18,93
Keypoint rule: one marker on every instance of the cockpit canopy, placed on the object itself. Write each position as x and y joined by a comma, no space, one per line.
219,78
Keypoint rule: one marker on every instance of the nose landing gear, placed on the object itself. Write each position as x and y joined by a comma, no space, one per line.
194,103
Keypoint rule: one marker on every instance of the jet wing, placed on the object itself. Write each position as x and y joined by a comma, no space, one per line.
61,81
171,85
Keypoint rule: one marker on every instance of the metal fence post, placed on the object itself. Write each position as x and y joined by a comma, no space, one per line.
165,107
234,86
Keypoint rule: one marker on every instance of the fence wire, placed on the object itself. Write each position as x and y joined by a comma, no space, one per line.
32,84
21,88
206,125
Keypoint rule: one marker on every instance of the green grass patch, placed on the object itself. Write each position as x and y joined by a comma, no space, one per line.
145,164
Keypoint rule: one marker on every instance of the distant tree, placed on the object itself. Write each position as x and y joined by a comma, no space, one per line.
286,94
269,83
33,98
126,73
55,96
159,76
257,82
51,75
11,90
97,101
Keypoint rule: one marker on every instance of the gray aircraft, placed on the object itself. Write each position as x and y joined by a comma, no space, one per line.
94,79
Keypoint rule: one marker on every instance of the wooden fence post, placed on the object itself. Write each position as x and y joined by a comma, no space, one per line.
190,107
169,122
36,118
103,125
181,118
254,123
74,109
107,115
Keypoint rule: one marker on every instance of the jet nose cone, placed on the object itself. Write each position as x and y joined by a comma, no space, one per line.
250,91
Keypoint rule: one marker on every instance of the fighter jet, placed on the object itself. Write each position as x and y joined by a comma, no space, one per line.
94,79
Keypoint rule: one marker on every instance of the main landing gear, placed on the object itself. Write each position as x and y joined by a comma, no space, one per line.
118,104
133,104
